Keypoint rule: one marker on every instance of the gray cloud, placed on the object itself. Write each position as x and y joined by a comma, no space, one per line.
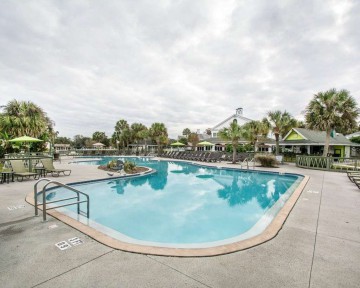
184,63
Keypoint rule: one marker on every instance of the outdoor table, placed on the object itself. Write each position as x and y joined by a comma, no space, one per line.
6,175
41,171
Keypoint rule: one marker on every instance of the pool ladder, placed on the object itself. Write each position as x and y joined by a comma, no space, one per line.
56,183
246,163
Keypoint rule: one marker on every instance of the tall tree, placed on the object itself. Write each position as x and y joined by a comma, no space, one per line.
208,131
256,131
158,132
144,135
80,141
193,138
331,110
136,133
186,132
99,136
233,133
62,140
183,140
21,118
281,123
122,131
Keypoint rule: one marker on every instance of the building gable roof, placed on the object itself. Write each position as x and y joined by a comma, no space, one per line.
294,130
234,116
356,134
314,136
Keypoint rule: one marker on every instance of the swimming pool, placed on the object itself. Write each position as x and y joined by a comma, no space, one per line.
183,205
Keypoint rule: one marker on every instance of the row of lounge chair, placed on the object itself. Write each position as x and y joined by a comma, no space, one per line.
354,177
194,156
98,152
21,171
205,156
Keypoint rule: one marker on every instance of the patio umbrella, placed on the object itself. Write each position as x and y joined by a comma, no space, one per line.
25,139
177,144
205,143
98,144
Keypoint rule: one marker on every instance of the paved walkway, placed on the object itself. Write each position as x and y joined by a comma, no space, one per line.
319,246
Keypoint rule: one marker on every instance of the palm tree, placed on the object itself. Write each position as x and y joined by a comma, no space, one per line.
144,135
158,132
330,110
281,123
99,136
21,118
233,134
256,130
122,130
136,129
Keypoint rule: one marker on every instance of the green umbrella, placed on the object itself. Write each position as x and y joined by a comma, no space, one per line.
177,144
205,143
25,139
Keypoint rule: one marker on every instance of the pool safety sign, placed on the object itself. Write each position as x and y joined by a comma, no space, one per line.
75,241
63,245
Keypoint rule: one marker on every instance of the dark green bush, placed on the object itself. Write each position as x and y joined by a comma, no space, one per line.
111,164
266,160
129,166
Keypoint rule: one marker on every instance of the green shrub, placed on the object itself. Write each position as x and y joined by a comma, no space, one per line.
129,166
111,164
266,160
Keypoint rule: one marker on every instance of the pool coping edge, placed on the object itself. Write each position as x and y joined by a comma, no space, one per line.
269,233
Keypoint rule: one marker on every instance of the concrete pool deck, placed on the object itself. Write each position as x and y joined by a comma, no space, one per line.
318,246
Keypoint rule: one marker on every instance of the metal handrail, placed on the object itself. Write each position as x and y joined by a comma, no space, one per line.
247,161
49,182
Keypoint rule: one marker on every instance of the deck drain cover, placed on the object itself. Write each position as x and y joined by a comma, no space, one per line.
63,245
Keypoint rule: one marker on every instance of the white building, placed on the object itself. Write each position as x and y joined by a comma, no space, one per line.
238,116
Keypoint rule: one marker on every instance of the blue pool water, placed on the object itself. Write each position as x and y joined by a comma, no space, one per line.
184,205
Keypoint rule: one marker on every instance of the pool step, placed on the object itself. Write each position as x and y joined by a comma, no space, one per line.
82,213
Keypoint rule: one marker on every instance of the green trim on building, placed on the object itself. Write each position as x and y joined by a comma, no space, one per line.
339,150
294,136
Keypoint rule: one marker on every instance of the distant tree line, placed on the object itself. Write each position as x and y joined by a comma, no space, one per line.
328,111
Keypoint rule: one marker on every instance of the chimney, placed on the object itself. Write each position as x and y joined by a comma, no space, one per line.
239,111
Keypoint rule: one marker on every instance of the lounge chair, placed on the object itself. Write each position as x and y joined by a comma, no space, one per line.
357,182
205,157
20,171
49,168
353,175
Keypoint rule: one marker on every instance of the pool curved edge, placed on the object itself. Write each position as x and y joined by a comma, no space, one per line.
269,233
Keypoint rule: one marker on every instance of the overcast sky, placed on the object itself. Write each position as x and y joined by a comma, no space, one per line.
185,63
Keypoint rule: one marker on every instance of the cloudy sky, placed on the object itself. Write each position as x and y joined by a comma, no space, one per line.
185,63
